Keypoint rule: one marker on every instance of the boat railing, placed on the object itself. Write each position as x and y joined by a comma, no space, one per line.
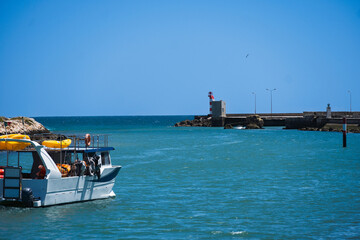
78,141
97,141
81,148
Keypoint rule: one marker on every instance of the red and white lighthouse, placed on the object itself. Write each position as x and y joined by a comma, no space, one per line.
211,99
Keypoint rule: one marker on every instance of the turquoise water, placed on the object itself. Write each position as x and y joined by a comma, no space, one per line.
208,183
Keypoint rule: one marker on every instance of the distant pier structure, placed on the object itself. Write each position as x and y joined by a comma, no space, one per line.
217,111
307,119
328,111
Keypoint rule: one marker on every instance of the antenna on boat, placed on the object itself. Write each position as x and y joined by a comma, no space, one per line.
7,152
60,150
74,147
5,125
23,124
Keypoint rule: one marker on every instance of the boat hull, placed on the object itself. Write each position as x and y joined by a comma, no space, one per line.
70,189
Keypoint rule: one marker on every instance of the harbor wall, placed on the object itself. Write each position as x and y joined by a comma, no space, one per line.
291,120
305,120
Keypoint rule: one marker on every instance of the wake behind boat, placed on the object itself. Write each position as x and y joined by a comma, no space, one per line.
51,172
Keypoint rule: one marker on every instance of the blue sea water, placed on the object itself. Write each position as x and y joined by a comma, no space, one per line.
207,183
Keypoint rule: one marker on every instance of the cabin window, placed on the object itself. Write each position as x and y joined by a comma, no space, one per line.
105,158
11,159
28,161
25,159
67,157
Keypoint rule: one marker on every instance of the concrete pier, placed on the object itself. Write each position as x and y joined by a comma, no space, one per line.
276,119
288,120
318,120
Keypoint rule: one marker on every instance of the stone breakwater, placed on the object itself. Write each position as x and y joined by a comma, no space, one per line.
250,122
306,121
199,121
333,127
315,123
21,125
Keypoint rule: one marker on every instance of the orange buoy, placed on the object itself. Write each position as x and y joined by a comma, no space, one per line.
87,140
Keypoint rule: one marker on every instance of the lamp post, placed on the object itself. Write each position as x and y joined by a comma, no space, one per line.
255,100
271,90
350,99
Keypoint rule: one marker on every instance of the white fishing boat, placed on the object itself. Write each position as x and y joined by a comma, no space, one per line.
39,174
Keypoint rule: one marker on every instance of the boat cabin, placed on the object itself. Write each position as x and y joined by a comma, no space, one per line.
74,160
49,172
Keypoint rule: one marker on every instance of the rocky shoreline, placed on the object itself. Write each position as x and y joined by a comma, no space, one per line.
331,127
198,121
251,122
21,125
256,122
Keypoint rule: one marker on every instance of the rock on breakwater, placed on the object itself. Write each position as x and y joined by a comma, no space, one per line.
23,125
254,122
199,121
250,122
333,127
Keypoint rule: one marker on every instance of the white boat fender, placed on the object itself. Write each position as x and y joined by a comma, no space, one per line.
37,203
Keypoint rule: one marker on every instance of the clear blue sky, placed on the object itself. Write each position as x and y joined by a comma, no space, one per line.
74,58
